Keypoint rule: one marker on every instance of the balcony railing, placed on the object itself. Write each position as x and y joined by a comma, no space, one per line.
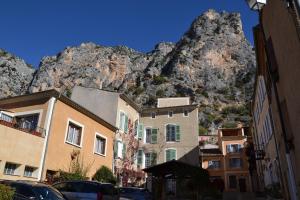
13,123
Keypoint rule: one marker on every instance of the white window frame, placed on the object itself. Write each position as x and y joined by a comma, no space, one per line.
33,174
171,114
166,133
166,153
15,171
145,132
95,140
67,129
123,127
184,114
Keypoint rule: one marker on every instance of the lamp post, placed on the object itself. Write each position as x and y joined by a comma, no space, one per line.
256,4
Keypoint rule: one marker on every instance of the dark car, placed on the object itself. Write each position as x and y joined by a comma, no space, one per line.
32,190
134,193
93,190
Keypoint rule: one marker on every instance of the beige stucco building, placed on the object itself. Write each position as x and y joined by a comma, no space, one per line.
45,132
170,131
119,110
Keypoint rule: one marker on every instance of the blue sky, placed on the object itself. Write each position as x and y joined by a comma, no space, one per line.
32,29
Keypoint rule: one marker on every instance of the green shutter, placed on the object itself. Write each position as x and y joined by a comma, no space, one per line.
140,157
168,154
154,136
126,124
173,154
153,158
177,133
124,151
140,131
116,149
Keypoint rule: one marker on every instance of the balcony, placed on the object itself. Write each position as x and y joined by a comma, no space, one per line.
20,123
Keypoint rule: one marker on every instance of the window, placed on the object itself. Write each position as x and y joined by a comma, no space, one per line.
153,115
232,182
148,135
234,148
29,171
123,125
170,114
140,157
235,163
100,144
28,122
170,154
151,136
150,159
136,124
171,186
172,133
10,168
119,149
214,164
74,134
5,117
140,131
185,113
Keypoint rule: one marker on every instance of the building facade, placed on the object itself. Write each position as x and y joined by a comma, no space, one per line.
277,46
169,132
45,132
227,164
120,111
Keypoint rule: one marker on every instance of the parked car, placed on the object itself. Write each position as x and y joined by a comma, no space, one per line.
89,190
25,190
134,193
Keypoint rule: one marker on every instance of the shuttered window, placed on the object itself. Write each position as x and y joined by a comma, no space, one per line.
123,124
170,154
140,157
140,131
172,133
154,136
150,159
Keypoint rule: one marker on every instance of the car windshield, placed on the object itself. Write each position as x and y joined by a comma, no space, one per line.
47,193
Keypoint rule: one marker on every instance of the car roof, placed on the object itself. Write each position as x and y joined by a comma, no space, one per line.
23,182
95,182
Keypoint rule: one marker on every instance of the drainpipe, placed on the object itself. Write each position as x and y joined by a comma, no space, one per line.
47,132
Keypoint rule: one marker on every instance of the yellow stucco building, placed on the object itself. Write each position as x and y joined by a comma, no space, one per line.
45,132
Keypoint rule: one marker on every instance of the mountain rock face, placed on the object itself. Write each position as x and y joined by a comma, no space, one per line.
213,63
16,75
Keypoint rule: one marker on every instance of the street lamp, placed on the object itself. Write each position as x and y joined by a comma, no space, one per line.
256,4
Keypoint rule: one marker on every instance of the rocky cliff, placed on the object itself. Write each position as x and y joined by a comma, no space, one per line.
16,75
212,63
